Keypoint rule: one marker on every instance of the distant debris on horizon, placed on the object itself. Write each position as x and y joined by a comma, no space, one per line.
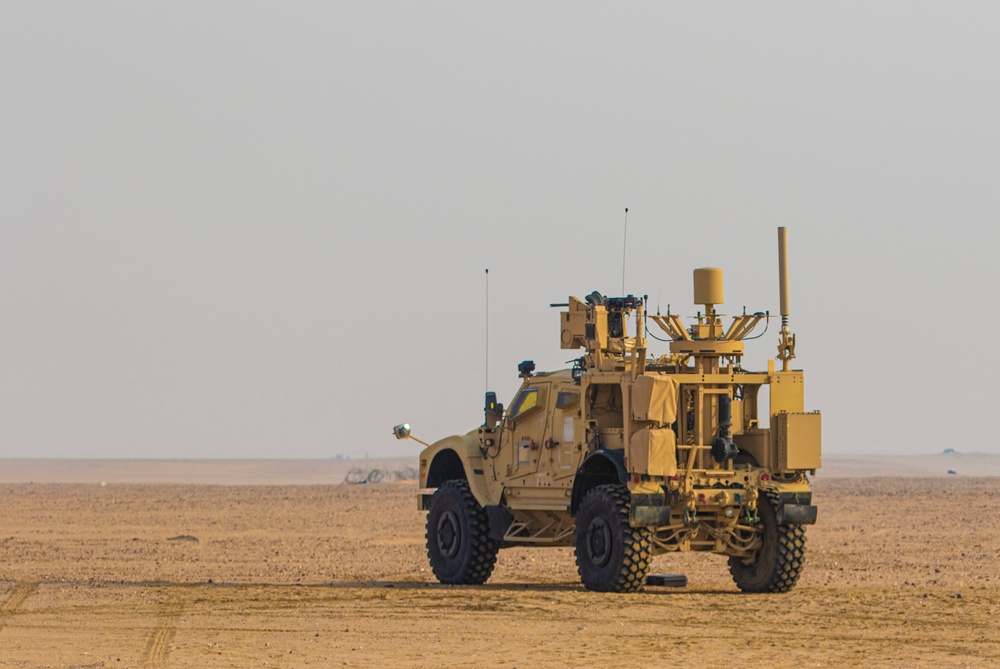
950,451
358,476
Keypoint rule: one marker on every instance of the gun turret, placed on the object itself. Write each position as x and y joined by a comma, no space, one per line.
600,324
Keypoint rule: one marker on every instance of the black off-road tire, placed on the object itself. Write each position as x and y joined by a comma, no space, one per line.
611,555
780,559
459,546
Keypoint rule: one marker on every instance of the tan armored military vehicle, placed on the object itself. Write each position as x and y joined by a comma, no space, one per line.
628,455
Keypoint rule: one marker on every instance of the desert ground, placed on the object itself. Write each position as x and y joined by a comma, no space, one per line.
902,571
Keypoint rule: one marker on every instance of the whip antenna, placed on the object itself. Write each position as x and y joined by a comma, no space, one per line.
487,329
624,246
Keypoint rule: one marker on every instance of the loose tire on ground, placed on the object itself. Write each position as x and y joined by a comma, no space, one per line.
780,559
458,536
611,555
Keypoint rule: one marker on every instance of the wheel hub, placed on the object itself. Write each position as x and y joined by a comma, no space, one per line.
599,542
448,534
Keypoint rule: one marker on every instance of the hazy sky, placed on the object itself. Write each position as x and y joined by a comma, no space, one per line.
260,229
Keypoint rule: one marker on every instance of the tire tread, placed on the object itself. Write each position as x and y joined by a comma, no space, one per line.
482,549
637,543
790,558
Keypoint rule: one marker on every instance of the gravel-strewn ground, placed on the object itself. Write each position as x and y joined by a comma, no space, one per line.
901,572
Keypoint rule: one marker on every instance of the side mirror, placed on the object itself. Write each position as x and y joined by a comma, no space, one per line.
494,410
402,431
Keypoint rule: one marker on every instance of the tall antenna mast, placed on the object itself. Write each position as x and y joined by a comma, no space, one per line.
487,329
624,246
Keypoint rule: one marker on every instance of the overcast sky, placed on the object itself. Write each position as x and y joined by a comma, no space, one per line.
260,229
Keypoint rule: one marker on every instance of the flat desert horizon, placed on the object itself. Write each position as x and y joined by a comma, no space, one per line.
331,470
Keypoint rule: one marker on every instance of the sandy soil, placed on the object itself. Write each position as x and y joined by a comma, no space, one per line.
901,572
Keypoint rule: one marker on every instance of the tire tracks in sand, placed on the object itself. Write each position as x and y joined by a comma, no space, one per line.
19,593
159,639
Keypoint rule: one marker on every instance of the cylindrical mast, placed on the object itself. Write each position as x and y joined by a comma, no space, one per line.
783,274
786,344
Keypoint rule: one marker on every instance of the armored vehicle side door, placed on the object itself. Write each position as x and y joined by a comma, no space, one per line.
527,428
562,451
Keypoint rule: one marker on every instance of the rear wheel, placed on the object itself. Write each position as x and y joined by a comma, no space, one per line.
779,561
458,536
611,555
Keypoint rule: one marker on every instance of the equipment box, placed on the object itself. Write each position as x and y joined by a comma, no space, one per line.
799,440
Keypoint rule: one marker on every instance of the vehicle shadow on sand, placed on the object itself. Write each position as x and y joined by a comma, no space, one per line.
398,585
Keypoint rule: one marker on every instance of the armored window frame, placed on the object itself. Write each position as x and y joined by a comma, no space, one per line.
518,409
567,399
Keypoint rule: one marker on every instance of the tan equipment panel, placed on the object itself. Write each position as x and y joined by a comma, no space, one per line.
787,392
653,452
654,398
573,330
799,440
756,443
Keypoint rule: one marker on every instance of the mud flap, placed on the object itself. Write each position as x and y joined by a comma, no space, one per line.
649,516
500,521
797,514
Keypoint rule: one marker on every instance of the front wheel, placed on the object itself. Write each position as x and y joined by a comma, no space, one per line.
459,546
611,555
779,560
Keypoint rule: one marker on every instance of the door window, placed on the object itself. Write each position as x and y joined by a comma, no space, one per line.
567,399
525,402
